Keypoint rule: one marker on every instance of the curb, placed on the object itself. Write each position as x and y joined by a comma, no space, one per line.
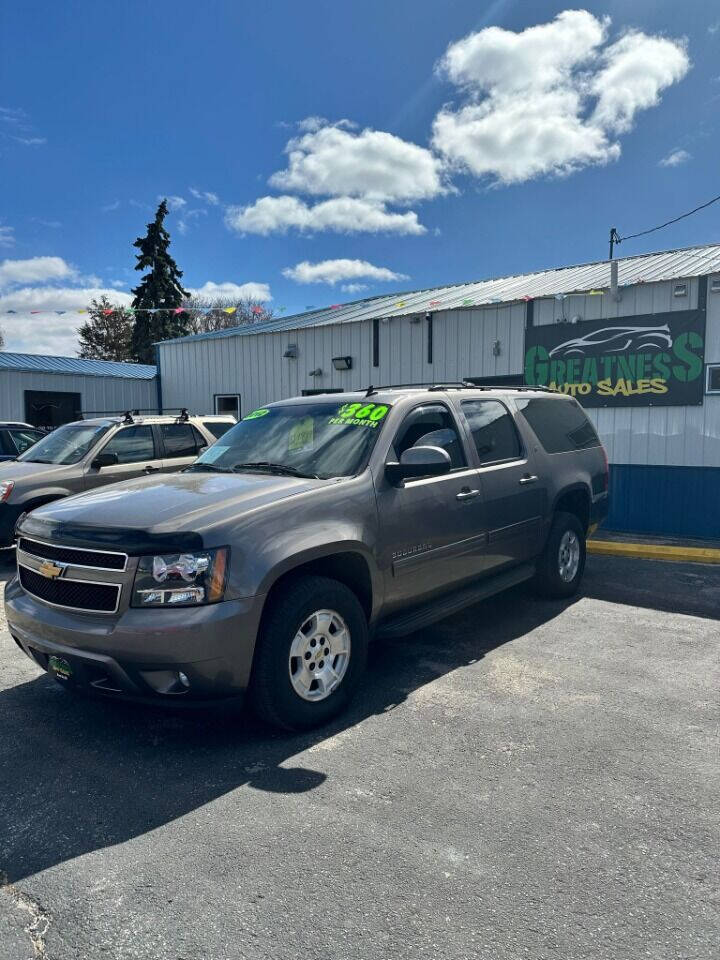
652,551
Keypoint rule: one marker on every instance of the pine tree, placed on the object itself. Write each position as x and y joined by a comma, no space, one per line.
107,333
161,287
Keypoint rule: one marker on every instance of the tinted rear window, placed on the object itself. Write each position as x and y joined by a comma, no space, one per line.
560,425
217,427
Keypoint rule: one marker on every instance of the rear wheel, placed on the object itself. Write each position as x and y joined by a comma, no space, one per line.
310,655
561,564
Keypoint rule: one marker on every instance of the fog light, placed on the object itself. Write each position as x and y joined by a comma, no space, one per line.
182,677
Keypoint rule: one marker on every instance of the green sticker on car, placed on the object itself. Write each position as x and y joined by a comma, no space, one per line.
263,411
360,414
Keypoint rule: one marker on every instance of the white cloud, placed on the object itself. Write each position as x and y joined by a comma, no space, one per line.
353,287
30,141
675,158
34,270
233,291
206,195
636,69
187,217
109,207
7,236
49,331
332,161
174,203
333,271
550,99
340,214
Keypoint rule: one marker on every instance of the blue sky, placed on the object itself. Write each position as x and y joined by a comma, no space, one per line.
366,146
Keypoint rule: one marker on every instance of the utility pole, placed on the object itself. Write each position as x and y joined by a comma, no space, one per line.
614,238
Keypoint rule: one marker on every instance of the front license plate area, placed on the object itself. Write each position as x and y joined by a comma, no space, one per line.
60,668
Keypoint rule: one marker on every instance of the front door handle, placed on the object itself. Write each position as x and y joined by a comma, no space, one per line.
467,494
528,479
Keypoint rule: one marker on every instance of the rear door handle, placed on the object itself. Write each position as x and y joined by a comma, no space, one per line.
149,469
467,494
528,479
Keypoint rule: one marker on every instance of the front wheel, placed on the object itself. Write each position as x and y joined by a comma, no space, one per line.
311,654
560,566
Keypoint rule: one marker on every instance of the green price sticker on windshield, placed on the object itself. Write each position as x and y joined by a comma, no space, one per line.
257,413
361,414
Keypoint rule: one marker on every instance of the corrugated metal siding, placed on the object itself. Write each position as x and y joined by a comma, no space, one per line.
97,393
648,268
671,501
74,365
254,367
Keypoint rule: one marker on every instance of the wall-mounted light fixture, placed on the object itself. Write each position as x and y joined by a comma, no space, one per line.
291,352
317,372
342,363
680,290
496,348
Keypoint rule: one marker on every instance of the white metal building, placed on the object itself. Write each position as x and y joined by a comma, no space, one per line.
656,404
49,391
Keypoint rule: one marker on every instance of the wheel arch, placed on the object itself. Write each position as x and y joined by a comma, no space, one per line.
575,499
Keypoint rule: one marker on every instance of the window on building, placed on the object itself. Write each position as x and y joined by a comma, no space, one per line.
430,425
180,440
493,431
228,403
559,424
713,378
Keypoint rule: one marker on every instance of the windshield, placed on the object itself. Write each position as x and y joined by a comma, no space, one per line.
304,439
67,444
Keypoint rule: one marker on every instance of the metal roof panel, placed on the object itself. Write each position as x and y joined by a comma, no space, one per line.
39,363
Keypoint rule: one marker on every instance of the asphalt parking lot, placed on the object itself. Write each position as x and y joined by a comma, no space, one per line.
526,780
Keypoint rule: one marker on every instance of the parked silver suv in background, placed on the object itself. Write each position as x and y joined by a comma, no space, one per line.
91,453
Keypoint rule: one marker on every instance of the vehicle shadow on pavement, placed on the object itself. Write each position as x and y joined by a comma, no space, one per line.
78,775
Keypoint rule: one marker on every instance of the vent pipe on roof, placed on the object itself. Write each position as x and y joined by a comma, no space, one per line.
614,293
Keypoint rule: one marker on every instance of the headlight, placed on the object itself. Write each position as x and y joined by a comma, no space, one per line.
6,488
180,579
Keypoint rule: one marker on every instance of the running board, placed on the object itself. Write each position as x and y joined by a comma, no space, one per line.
438,609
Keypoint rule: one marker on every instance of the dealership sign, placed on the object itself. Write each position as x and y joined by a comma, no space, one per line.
623,361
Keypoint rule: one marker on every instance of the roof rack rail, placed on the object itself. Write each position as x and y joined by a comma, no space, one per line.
455,385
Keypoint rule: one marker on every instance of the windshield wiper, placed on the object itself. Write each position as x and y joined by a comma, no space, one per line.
207,466
278,468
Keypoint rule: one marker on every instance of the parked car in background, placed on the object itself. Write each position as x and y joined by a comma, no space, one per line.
91,453
15,438
311,525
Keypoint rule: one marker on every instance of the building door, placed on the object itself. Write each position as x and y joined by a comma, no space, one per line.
49,409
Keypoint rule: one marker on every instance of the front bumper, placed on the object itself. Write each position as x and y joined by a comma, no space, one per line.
136,654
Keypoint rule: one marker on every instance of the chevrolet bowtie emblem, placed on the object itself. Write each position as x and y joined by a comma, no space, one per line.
50,570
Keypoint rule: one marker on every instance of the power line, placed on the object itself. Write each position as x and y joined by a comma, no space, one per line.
616,238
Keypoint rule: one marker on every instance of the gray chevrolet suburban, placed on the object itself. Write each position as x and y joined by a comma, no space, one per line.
311,526
90,453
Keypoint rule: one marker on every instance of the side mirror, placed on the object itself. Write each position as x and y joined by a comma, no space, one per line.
104,460
419,462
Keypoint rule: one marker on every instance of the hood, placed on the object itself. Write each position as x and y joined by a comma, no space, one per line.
19,470
172,509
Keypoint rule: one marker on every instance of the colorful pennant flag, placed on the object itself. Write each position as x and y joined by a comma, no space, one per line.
434,303
595,293
229,309
257,310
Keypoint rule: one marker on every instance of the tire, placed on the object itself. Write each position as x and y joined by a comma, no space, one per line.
561,564
289,654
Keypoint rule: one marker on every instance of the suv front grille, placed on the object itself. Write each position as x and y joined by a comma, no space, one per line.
78,557
75,594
